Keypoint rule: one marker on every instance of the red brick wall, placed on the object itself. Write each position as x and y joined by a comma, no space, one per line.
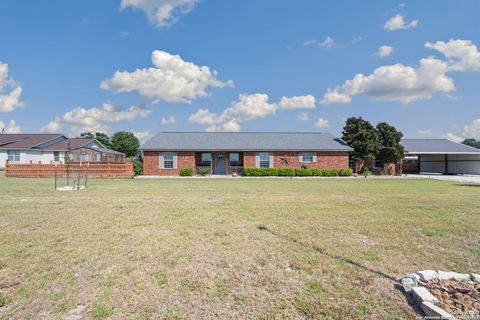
325,160
249,159
151,163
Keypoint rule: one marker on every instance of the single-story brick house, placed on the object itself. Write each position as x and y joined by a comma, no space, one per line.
27,148
227,152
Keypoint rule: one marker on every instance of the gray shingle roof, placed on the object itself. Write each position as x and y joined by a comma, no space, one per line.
437,146
244,141
25,141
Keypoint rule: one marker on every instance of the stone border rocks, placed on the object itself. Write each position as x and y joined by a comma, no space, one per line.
415,285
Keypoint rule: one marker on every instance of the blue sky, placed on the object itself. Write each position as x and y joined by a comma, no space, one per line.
241,65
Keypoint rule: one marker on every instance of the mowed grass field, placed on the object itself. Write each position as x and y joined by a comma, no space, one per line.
193,249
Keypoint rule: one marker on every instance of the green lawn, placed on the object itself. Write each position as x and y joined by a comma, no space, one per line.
188,249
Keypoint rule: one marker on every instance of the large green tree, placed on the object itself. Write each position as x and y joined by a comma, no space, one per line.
363,138
101,137
391,150
126,142
472,143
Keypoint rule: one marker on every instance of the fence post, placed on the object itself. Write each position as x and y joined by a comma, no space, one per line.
86,174
55,177
40,169
108,169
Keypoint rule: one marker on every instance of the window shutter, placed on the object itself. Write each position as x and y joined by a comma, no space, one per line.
257,160
162,164
314,157
271,159
300,157
175,160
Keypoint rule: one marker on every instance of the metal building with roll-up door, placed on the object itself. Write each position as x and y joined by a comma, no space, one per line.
442,156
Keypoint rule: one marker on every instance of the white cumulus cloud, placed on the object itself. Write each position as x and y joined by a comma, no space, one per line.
161,12
167,121
172,80
322,123
453,137
328,43
398,22
10,91
81,119
406,84
471,130
248,107
462,55
11,127
298,102
384,51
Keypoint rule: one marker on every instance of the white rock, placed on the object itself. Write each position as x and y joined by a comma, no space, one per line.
432,310
415,277
79,313
443,275
475,277
427,275
421,294
408,284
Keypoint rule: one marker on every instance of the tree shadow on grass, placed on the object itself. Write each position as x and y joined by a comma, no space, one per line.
397,284
468,185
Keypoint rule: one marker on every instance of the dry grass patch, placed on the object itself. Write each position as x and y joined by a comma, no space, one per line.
185,249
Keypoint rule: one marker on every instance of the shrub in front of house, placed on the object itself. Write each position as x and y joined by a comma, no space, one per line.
260,172
291,172
203,171
330,173
345,172
286,172
304,172
186,172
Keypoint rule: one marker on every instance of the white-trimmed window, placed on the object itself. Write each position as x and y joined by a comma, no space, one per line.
308,157
168,159
56,156
13,155
264,159
377,164
206,159
234,159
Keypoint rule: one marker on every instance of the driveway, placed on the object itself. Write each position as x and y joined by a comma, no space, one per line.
465,178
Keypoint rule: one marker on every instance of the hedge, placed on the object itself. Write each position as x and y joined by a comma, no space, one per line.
186,172
291,172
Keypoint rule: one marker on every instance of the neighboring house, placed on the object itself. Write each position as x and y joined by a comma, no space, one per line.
226,152
46,148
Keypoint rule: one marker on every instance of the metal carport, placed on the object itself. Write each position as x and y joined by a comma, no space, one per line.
443,156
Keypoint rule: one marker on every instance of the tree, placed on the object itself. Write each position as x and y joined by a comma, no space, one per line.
363,138
88,135
103,139
126,142
472,143
391,150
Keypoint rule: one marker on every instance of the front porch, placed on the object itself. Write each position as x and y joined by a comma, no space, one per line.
219,163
